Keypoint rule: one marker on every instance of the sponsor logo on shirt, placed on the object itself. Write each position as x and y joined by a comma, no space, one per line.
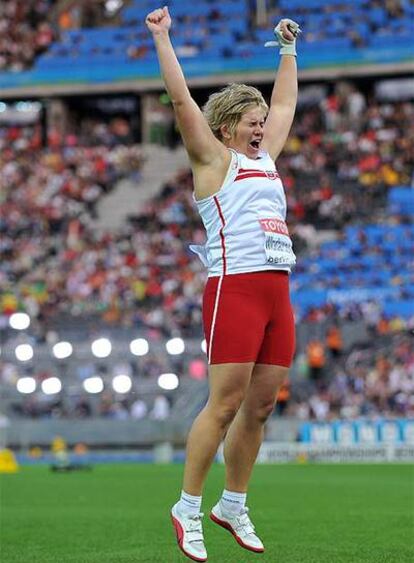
274,226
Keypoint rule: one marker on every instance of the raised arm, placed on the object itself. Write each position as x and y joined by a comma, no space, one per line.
284,94
202,146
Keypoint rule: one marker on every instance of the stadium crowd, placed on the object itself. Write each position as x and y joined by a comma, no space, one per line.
352,141
108,406
335,169
340,161
25,32
48,199
373,380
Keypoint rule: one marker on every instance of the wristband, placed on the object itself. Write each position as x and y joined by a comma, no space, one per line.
287,47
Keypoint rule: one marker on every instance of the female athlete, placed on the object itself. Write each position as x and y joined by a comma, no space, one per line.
248,322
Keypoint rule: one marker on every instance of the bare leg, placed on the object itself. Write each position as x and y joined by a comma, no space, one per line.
228,386
245,434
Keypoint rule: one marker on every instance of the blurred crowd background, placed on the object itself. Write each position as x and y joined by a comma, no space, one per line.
347,169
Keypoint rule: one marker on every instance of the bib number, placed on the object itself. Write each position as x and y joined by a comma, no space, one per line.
278,246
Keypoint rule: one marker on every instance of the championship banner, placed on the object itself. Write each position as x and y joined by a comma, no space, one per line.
359,432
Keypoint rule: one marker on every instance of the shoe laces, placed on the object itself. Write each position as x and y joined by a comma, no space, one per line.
243,522
194,529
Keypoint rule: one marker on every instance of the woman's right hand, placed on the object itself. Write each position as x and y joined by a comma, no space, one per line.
158,21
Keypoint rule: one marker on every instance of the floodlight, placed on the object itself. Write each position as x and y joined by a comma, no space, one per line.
51,386
62,350
26,384
101,348
121,383
139,347
168,381
24,352
112,6
93,384
175,346
19,321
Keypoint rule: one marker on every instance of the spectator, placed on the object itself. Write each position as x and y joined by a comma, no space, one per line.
138,409
161,408
334,341
282,400
316,359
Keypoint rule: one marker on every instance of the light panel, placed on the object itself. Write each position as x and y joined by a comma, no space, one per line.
168,381
26,385
51,386
93,384
62,350
175,346
19,321
139,347
122,383
24,352
101,348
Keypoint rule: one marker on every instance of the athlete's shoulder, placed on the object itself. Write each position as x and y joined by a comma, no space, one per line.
265,156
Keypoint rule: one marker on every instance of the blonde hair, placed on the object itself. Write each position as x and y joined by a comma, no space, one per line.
227,106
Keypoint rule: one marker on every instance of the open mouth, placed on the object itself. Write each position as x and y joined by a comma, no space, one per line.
255,144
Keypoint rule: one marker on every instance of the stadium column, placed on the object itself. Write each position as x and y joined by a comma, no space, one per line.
145,124
56,115
261,13
157,119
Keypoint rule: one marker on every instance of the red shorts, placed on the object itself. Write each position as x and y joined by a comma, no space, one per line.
249,318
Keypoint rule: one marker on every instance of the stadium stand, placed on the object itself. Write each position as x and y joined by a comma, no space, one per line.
228,29
373,380
103,364
362,275
218,38
323,168
347,170
49,197
25,32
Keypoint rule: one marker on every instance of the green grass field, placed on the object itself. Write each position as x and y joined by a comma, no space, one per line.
120,514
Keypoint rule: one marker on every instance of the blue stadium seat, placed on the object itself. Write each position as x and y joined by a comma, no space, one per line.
401,200
329,27
403,309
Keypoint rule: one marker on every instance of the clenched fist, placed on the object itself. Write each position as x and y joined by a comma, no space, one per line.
158,21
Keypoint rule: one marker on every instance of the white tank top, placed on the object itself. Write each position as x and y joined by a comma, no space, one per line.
245,220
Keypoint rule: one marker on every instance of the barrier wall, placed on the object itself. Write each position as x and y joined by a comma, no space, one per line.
304,453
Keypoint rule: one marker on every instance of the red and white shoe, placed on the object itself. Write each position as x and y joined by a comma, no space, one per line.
240,526
189,532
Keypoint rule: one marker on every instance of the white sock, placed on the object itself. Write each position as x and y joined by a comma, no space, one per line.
189,504
233,502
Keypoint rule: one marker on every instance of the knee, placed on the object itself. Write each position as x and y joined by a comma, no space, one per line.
225,412
262,411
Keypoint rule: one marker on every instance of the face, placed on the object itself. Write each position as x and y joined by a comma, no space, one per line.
249,133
